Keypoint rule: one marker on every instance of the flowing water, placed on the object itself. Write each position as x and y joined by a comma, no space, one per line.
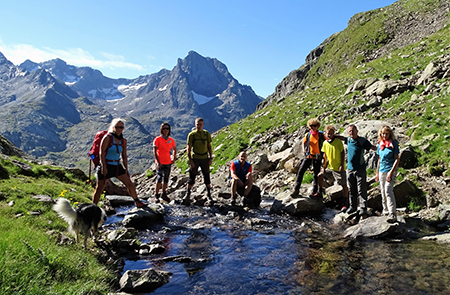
254,252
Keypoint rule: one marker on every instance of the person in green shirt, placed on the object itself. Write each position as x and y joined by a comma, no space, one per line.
334,159
200,154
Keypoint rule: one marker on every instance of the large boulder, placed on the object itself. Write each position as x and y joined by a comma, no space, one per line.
143,217
143,280
406,190
408,158
386,88
299,206
372,227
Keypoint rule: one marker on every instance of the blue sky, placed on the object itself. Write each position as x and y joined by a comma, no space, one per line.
259,41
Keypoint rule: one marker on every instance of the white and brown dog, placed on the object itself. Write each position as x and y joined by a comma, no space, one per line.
86,219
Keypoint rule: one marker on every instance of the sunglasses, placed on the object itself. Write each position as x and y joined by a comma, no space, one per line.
119,127
313,125
165,128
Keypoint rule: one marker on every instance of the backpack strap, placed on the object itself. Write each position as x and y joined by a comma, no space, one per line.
195,138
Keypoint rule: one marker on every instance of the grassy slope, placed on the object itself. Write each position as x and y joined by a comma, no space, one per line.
341,64
32,262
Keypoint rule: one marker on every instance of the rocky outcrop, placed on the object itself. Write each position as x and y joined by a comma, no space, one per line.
296,206
143,280
372,227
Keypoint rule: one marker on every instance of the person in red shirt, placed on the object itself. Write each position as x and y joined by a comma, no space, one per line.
163,145
312,145
241,176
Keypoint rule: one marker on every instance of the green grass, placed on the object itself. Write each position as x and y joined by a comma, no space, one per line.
328,80
32,262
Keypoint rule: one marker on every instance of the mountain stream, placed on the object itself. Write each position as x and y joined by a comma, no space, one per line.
255,252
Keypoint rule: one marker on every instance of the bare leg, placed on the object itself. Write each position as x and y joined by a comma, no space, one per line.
98,191
249,185
125,179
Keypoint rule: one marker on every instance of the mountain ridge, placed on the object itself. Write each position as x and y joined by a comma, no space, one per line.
63,99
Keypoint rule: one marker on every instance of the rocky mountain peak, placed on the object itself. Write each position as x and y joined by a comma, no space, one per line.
205,76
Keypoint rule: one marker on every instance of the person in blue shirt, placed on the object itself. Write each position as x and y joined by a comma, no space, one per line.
356,169
113,149
388,152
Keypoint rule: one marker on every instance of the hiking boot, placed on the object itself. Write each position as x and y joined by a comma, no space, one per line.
350,210
209,203
362,213
343,209
295,193
317,195
139,203
392,218
233,200
187,199
157,198
165,197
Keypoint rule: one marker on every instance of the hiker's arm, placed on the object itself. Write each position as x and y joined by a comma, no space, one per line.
191,163
174,155
158,163
377,176
210,153
124,155
325,161
235,177
394,167
102,154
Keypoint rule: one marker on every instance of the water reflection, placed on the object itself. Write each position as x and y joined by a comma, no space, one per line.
287,256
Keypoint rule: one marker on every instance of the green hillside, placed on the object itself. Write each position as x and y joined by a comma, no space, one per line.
33,260
350,56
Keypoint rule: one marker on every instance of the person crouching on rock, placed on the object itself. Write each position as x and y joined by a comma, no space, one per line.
241,176
312,145
163,145
113,147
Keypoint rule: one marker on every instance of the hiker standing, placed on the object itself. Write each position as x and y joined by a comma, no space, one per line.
241,176
163,145
334,159
389,151
199,152
113,147
312,145
356,169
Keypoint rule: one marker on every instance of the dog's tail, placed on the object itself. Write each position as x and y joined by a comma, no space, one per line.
65,210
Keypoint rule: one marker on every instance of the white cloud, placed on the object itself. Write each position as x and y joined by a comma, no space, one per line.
18,53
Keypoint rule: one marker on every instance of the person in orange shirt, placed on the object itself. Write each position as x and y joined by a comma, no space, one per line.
163,145
312,145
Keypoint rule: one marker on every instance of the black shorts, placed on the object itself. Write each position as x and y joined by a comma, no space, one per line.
163,174
113,171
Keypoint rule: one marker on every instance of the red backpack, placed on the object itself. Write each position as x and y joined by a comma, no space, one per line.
95,149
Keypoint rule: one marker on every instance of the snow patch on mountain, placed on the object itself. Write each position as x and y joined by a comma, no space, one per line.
201,99
126,88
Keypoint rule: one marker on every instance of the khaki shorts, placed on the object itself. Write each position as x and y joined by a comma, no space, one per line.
339,177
